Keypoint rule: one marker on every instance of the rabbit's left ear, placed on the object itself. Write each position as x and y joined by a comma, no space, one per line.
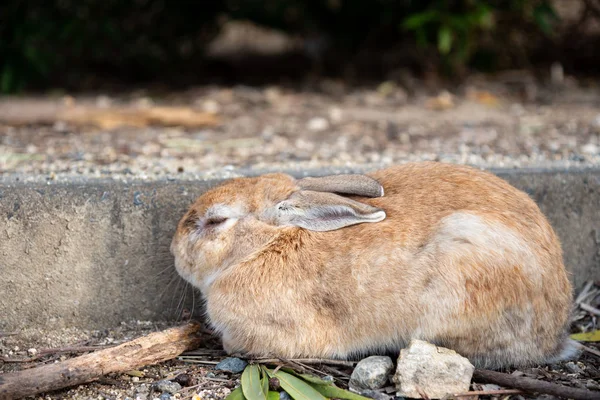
353,184
321,211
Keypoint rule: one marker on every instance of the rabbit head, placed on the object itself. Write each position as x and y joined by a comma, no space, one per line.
257,210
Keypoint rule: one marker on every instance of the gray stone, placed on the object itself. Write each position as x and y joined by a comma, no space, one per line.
371,373
231,364
165,396
284,396
374,394
427,370
166,386
573,368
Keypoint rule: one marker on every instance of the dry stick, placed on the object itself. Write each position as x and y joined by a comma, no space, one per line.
590,350
46,352
151,349
534,385
589,308
488,393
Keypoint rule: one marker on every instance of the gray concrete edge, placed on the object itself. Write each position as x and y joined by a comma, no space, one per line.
91,253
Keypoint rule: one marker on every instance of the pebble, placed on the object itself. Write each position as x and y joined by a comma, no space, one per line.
166,386
374,394
371,373
284,396
317,124
165,396
592,385
32,352
431,370
231,364
573,368
590,148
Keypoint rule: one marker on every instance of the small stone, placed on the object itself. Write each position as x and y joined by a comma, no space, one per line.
430,370
573,368
165,396
374,394
231,364
211,106
284,396
32,352
185,380
590,148
166,386
317,124
592,385
371,373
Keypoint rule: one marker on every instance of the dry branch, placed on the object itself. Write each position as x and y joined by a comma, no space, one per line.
30,111
151,349
534,385
488,393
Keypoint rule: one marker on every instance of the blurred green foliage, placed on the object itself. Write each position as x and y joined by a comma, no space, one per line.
42,41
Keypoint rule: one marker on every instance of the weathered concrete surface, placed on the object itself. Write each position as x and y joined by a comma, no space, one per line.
92,254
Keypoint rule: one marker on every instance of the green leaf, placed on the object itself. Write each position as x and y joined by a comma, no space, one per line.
419,20
331,391
273,396
296,387
444,40
251,384
593,336
314,379
545,17
265,383
7,79
237,394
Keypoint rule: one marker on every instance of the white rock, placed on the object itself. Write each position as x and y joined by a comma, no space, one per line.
425,369
317,124
590,148
371,373
32,351
211,106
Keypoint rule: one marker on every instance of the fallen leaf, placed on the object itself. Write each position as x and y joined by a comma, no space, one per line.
593,336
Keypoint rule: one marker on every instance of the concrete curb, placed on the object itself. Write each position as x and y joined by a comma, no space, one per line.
93,253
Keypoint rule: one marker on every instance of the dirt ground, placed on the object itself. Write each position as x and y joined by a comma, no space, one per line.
508,121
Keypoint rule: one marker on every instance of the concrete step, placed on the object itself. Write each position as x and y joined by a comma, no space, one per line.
93,253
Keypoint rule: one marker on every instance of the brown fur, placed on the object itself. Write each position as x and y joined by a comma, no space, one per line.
462,259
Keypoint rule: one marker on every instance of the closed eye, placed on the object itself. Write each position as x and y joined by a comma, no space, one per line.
215,221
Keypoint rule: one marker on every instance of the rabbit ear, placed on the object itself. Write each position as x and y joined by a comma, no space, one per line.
318,211
360,185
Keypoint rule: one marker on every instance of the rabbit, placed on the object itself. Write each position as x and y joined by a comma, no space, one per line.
348,265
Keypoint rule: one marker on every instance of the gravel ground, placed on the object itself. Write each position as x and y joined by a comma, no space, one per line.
487,123
484,123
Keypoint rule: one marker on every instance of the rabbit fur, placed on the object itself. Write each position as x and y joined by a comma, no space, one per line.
449,254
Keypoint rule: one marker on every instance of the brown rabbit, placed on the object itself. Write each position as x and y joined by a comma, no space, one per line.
332,267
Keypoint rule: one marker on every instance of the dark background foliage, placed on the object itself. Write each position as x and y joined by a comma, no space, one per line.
82,43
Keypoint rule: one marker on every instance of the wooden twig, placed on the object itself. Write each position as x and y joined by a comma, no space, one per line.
590,350
534,385
46,352
590,309
584,292
151,349
498,392
194,360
